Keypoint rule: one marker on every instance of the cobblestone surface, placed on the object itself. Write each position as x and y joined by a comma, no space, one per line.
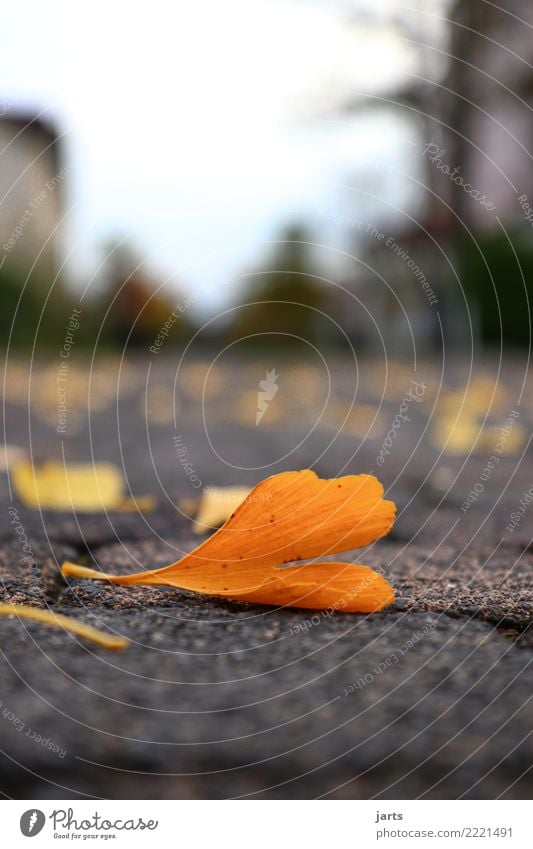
430,698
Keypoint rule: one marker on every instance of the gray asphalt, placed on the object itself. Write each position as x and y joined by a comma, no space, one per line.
430,698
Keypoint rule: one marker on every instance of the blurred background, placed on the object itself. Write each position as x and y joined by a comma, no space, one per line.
336,191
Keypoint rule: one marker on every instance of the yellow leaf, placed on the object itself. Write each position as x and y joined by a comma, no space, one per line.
216,505
57,620
189,506
10,455
85,487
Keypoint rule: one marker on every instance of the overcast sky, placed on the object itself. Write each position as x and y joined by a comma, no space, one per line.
198,129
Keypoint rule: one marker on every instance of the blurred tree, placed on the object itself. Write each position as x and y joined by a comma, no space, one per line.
132,308
497,277
475,121
284,295
33,310
487,121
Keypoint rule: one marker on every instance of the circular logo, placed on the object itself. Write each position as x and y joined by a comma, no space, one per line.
32,822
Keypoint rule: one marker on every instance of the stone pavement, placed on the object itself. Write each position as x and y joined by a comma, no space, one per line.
430,698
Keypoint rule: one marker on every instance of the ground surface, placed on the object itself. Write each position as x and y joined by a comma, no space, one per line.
430,698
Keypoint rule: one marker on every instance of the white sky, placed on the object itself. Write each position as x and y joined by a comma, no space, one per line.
198,128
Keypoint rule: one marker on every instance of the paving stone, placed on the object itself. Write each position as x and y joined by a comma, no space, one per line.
83,530
126,558
234,700
494,583
31,576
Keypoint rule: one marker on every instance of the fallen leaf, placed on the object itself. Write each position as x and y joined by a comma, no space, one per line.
461,425
10,455
289,517
73,626
141,503
85,487
189,506
216,506
465,435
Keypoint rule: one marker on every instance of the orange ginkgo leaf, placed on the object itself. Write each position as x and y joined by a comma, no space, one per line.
289,517
58,620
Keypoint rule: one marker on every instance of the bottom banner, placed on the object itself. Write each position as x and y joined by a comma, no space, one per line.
244,824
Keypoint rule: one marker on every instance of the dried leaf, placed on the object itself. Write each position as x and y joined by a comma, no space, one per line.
189,506
85,487
461,425
216,506
10,455
289,517
57,620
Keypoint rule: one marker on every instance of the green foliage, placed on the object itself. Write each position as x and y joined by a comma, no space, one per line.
32,309
132,307
282,297
497,277
128,310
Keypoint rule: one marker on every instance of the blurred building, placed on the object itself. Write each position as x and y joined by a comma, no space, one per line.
480,114
32,184
470,239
